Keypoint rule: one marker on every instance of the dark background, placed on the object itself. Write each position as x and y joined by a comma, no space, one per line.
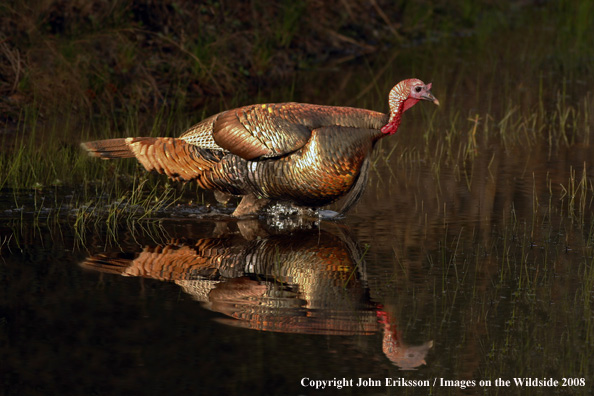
105,58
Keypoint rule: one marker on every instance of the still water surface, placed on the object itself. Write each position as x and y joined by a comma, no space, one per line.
441,282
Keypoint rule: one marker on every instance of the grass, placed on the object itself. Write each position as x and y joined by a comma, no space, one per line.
56,182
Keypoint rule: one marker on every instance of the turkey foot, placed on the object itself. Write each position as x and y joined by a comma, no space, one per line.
249,205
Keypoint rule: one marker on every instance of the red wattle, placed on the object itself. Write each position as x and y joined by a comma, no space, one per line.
408,103
389,129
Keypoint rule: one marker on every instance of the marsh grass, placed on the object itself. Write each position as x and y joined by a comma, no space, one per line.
47,178
511,280
460,140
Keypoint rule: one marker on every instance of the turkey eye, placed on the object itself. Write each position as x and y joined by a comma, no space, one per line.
417,89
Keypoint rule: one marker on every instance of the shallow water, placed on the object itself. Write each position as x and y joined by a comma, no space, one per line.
430,279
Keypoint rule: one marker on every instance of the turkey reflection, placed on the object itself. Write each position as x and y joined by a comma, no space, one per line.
307,281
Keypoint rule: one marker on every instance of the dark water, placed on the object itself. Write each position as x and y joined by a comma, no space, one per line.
478,277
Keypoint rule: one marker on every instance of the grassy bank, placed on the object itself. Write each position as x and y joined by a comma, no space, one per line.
110,57
105,59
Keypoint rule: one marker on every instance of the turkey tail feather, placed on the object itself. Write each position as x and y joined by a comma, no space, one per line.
104,263
174,157
108,149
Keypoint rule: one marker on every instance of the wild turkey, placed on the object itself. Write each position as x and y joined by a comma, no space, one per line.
309,155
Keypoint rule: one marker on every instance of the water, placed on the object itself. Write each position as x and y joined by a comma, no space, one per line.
426,280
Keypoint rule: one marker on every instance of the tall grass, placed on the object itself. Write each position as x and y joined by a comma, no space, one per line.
46,176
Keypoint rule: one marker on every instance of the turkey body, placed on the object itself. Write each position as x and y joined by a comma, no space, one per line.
306,154
309,155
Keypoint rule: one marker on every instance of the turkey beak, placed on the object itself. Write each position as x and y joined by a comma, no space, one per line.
427,95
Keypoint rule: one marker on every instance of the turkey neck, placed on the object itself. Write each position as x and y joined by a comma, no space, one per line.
399,105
